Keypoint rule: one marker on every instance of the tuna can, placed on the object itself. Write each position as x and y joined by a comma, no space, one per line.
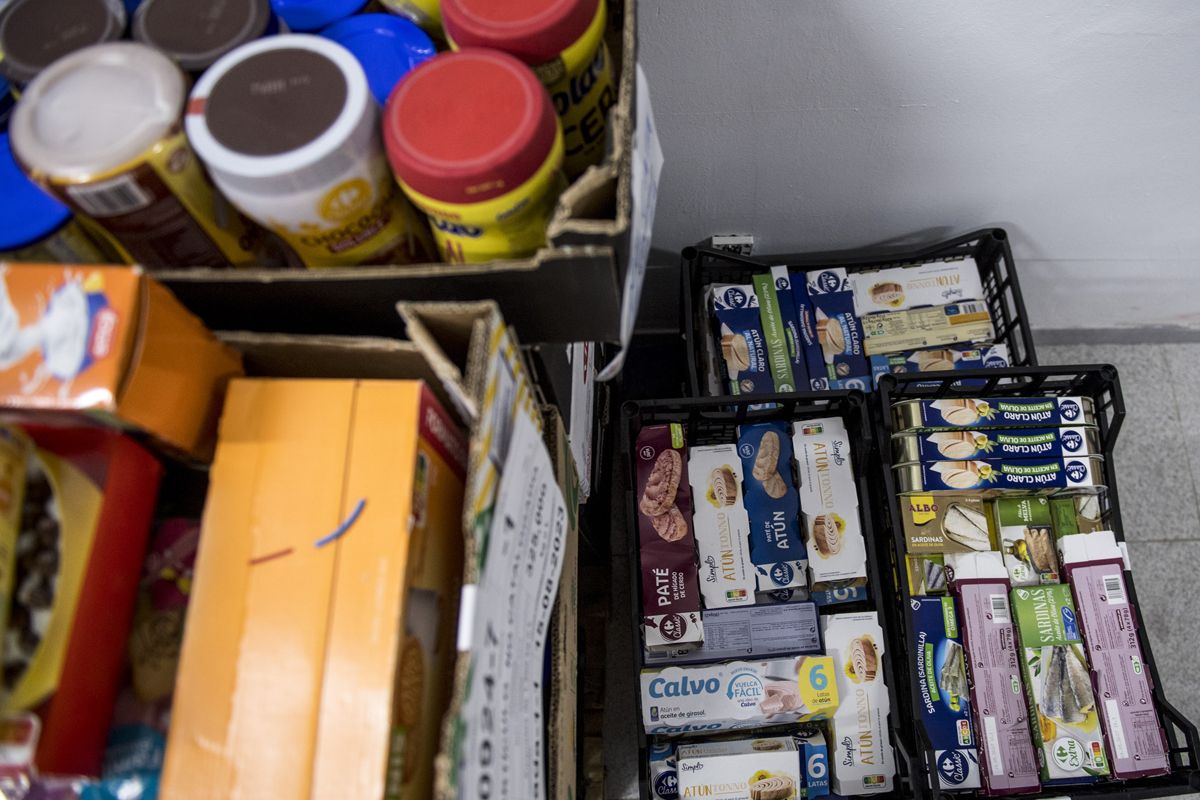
995,443
196,34
34,226
100,129
957,413
563,40
475,144
312,15
993,476
289,132
36,33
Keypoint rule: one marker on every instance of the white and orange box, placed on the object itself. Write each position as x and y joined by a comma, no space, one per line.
318,656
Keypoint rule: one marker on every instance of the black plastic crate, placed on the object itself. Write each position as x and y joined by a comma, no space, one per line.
1102,384
715,421
990,248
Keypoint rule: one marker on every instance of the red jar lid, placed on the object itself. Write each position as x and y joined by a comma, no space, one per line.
469,126
535,31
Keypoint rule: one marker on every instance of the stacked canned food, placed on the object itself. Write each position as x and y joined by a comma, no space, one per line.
759,600
219,137
1026,662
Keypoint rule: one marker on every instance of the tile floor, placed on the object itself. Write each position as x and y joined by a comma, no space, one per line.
1158,468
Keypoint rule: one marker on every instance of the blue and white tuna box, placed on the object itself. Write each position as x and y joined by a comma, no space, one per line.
940,359
740,337
814,761
942,686
832,333
737,694
776,548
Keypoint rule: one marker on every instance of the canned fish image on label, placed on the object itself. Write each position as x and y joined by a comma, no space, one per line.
993,412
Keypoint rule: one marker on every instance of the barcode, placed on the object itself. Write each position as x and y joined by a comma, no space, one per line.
109,198
999,608
972,308
1114,589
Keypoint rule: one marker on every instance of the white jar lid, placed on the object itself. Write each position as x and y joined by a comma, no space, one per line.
280,112
97,109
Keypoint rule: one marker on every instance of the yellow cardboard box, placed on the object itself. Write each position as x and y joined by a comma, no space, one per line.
318,665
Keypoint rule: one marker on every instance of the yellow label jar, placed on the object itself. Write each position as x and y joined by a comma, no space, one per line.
475,144
563,40
289,130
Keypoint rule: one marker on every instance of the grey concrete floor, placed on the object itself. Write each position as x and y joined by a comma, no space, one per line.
1158,467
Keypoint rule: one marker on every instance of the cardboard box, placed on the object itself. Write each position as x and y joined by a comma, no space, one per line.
1006,755
737,694
901,331
89,500
814,761
833,334
742,769
313,625
837,554
722,528
933,283
862,758
946,523
569,291
1027,540
941,677
113,345
742,340
1095,570
1058,688
951,357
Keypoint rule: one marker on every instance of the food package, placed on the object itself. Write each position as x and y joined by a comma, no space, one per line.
992,412
722,529
114,345
89,499
862,758
1045,475
1058,686
755,632
162,608
785,293
322,621
737,694
926,574
946,523
938,326
941,677
1003,443
933,283
941,359
664,778
775,331
1095,570
740,339
1027,540
776,547
740,769
833,333
837,554
667,548
814,761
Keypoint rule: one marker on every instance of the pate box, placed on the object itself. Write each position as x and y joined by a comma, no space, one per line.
1058,686
776,546
737,694
741,339
743,769
335,608
829,503
946,523
722,529
941,677
111,344
1095,570
930,284
670,589
1027,540
1006,755
862,758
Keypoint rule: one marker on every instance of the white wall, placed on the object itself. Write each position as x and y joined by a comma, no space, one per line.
816,124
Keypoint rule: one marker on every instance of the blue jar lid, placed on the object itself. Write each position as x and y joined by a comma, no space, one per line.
312,15
387,46
27,213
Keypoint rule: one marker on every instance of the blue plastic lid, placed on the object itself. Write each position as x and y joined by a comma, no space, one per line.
27,213
387,47
312,15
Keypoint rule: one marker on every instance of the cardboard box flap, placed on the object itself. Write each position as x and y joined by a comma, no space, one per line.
284,355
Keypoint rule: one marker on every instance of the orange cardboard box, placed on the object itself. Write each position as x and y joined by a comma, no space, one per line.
113,344
320,640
